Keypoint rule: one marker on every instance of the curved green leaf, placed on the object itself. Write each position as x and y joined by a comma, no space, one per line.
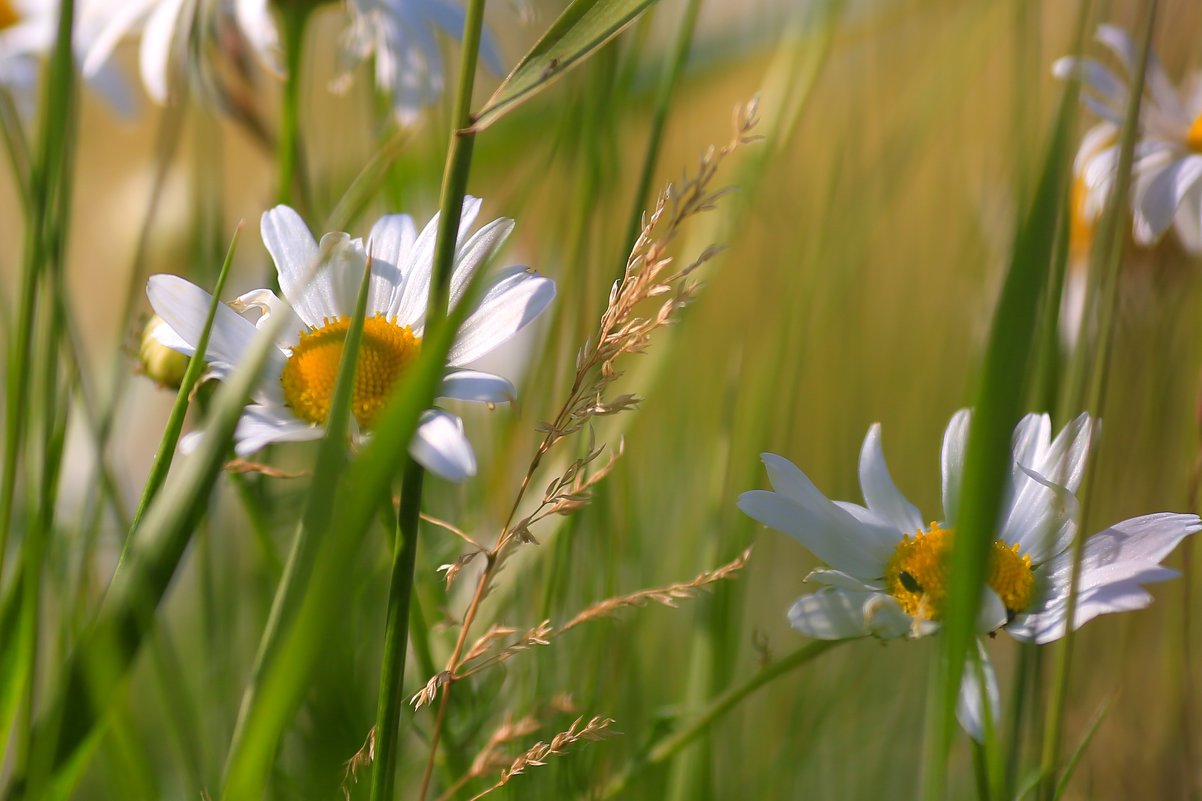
583,27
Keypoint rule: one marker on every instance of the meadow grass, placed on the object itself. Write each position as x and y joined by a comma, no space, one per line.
880,236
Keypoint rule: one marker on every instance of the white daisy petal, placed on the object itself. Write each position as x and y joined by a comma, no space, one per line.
992,614
798,509
260,426
1147,539
441,447
473,385
389,243
185,307
295,254
955,441
837,578
255,21
978,687
517,296
880,493
1188,221
411,308
340,275
157,43
476,252
833,614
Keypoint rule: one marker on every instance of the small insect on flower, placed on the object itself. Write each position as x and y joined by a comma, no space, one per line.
888,574
293,398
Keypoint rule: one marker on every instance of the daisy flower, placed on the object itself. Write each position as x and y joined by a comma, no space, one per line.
400,36
174,33
27,34
1167,190
293,397
887,574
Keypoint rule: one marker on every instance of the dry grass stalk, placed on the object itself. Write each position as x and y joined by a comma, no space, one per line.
478,658
359,761
540,752
243,466
622,330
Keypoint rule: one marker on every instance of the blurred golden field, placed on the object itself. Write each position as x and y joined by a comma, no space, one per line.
864,248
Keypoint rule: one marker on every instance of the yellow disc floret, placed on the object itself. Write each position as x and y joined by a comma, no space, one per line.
8,14
1193,137
916,574
308,378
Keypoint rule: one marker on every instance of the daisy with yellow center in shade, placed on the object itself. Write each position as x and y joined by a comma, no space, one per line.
1167,173
293,398
888,569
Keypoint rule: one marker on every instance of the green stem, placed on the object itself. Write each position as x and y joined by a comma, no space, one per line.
1106,262
396,636
454,187
663,99
290,167
175,422
671,744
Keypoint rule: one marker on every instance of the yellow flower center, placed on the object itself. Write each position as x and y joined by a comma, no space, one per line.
385,352
1193,137
917,574
8,14
1080,235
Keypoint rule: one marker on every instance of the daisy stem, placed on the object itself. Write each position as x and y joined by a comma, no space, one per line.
670,745
454,187
1105,266
663,99
396,636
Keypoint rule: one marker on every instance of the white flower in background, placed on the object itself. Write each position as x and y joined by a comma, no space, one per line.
293,397
27,34
399,36
1167,172
174,35
888,570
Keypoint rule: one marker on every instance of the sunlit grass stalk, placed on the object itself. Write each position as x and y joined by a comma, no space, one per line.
17,147
396,635
999,403
290,157
107,647
179,411
243,773
358,490
669,78
671,744
1089,385
454,187
47,170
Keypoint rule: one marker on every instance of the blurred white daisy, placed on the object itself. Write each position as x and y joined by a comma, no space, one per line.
888,571
399,36
27,34
293,397
181,40
1166,190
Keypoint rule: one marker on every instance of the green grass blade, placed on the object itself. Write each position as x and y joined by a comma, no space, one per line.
326,595
582,28
999,404
175,422
107,647
1078,752
250,755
